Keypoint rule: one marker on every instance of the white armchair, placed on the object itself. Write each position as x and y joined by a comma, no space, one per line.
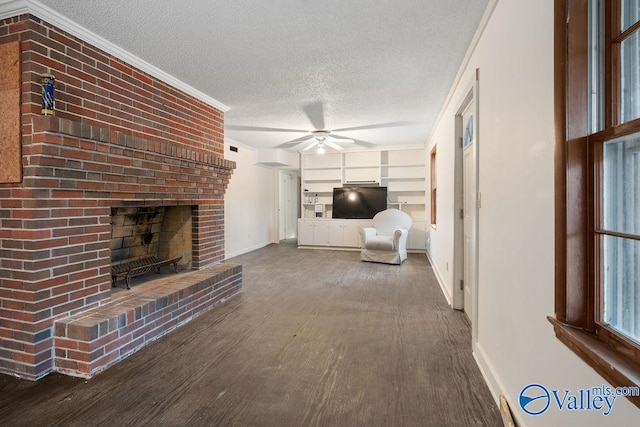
386,241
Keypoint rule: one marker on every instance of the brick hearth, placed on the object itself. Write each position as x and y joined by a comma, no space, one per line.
89,342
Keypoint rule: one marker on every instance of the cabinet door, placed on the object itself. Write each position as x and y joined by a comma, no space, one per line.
305,232
351,234
321,233
336,230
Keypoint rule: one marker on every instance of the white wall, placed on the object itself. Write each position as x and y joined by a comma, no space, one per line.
249,204
516,344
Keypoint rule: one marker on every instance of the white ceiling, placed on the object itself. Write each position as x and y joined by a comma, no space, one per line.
377,69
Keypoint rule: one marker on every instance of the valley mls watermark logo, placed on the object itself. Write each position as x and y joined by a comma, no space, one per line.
535,399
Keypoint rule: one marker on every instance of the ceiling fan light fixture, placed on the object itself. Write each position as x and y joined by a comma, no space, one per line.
320,134
324,137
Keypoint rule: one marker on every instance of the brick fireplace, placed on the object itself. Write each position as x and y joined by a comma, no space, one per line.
121,143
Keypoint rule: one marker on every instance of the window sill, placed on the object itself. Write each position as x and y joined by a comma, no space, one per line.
613,367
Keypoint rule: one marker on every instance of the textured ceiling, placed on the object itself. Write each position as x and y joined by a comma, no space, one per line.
376,70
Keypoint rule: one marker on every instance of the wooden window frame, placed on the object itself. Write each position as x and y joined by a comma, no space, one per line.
433,185
577,176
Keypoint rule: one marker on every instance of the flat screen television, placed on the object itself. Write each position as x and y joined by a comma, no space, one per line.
358,202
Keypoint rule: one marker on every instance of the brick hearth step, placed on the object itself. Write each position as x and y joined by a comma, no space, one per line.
91,341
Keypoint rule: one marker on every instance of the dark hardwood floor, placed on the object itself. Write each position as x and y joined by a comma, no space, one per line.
317,338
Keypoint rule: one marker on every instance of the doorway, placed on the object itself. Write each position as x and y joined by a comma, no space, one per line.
467,201
288,204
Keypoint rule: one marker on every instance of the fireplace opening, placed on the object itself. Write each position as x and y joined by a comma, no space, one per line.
151,238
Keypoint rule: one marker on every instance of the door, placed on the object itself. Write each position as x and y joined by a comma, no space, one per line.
468,209
467,203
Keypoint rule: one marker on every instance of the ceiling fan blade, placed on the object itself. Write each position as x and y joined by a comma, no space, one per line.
310,146
295,141
378,126
262,129
342,139
364,143
315,113
332,145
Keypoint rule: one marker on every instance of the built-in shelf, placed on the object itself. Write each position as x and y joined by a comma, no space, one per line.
317,210
402,171
324,169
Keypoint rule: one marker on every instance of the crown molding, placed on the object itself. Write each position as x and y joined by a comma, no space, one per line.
484,21
12,8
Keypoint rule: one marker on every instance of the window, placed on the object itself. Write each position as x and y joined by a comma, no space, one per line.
620,253
434,186
597,63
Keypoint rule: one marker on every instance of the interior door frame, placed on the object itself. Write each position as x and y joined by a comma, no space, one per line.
471,98
290,192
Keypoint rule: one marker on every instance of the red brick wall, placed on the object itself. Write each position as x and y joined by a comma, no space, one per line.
119,138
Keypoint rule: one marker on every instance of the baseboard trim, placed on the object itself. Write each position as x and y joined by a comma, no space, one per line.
443,287
245,250
488,372
491,377
330,248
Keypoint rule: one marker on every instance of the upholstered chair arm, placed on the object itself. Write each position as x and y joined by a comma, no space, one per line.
366,232
400,239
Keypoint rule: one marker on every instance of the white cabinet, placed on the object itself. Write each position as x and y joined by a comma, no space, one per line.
305,232
346,233
351,233
339,233
361,166
336,233
313,232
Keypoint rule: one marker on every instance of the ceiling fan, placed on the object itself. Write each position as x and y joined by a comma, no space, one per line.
320,137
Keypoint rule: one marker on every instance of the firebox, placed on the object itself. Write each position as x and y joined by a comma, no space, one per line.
163,232
146,239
